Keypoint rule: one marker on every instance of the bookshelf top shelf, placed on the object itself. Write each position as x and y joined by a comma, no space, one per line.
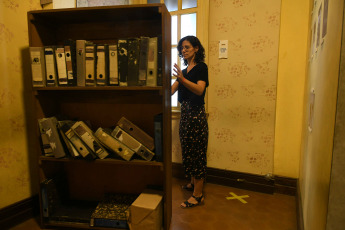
98,14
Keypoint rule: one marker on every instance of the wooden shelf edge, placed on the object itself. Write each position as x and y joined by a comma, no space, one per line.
104,161
74,225
98,88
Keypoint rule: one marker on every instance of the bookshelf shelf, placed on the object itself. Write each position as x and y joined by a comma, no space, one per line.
105,161
103,106
100,88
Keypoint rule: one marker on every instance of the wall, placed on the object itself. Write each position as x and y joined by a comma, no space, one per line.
292,72
242,91
336,204
316,157
17,176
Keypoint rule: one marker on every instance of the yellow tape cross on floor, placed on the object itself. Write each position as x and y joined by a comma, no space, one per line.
240,198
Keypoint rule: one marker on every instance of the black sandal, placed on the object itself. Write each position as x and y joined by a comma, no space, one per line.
199,199
188,187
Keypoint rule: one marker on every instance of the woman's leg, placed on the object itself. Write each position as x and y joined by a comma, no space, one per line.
198,187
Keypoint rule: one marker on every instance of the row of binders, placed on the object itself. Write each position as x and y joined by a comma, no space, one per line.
127,62
75,138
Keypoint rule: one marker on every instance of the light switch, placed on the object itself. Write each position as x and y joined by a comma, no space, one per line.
223,49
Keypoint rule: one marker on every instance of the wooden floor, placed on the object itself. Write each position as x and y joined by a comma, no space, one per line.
221,211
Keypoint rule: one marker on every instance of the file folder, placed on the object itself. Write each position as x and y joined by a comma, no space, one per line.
123,61
113,65
87,136
133,61
132,143
136,132
81,66
152,63
102,65
37,66
113,144
61,66
144,49
90,67
50,66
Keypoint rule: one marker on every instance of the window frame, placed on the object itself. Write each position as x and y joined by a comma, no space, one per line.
202,16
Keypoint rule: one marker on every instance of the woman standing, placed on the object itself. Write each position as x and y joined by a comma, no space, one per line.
191,84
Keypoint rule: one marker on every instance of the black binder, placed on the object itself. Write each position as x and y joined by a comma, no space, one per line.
123,61
133,61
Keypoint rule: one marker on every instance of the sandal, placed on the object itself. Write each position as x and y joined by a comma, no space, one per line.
199,199
188,187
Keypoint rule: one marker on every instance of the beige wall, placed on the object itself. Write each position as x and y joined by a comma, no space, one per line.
242,91
293,47
17,180
316,157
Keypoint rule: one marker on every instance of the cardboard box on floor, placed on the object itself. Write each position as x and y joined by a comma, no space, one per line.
146,212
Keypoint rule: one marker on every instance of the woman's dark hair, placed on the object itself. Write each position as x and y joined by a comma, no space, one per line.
199,56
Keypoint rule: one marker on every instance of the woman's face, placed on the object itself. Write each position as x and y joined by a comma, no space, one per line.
188,51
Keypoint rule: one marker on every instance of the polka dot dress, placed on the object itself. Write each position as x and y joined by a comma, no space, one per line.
193,132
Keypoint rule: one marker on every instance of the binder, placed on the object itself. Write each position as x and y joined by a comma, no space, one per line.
159,61
113,65
79,145
37,66
87,136
63,127
122,61
114,145
133,61
70,53
48,127
47,149
61,66
158,127
90,67
152,63
50,66
102,68
80,57
144,50
132,143
49,197
139,134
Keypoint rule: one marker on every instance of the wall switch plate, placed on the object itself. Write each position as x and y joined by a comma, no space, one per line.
223,49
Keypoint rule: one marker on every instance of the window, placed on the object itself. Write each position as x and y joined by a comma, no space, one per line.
188,17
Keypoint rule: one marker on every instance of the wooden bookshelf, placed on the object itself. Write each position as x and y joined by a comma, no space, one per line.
103,106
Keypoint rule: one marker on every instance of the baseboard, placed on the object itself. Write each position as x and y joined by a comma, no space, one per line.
252,182
19,212
299,209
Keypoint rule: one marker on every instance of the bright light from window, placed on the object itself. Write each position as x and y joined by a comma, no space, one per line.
188,24
174,102
174,30
189,4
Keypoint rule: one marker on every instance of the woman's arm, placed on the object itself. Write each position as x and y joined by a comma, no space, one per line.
197,88
174,87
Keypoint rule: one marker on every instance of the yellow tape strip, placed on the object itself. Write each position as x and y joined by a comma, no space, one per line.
240,198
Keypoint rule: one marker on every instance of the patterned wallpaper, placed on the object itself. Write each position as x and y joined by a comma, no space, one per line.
242,91
15,164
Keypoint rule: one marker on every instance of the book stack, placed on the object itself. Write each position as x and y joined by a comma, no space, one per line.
76,139
125,62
